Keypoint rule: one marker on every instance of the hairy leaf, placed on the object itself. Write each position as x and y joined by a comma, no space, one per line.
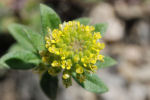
84,20
49,85
35,39
92,83
49,18
108,62
19,59
19,34
101,27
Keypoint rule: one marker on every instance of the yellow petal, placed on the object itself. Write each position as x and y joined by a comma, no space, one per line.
66,76
79,70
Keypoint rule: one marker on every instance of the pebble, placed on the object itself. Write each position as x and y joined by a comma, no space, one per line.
105,13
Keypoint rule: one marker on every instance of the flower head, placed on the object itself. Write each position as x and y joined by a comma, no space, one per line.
73,47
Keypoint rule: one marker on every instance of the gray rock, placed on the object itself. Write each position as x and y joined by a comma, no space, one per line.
75,92
21,85
128,71
105,13
133,73
127,11
101,13
116,85
141,30
137,91
132,54
148,93
143,74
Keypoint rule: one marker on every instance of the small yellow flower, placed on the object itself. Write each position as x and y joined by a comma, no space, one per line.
44,59
62,57
93,68
101,45
55,63
54,71
72,48
66,76
76,58
63,64
79,69
97,35
68,64
101,58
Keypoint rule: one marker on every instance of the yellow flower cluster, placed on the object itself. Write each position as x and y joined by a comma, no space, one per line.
73,47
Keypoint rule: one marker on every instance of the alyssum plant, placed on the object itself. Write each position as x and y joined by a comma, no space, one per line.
71,49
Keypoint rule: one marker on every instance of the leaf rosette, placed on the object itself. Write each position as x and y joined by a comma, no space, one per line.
72,48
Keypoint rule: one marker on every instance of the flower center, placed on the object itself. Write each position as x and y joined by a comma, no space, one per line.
77,46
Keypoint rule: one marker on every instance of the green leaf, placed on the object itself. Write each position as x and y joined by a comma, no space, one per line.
108,62
49,18
19,59
28,36
49,85
19,34
35,39
101,27
84,20
15,47
92,83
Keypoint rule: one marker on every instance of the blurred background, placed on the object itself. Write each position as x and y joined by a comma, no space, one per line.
127,39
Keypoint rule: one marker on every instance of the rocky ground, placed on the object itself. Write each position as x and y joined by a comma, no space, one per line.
128,41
